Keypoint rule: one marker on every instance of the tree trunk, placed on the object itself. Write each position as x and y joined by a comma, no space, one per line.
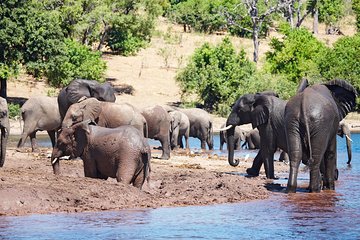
316,21
3,87
256,43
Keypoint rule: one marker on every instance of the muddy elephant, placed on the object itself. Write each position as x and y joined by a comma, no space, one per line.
265,112
252,139
158,120
79,88
239,136
121,153
201,126
311,121
105,114
39,114
4,129
179,128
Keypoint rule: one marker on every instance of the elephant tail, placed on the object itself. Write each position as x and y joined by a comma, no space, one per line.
146,130
307,131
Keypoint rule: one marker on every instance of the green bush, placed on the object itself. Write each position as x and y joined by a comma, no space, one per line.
342,61
296,56
75,61
356,9
217,75
14,111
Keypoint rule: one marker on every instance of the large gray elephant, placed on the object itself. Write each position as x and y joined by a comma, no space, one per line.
311,121
179,128
201,126
121,153
39,114
79,88
158,120
239,136
264,111
4,129
105,114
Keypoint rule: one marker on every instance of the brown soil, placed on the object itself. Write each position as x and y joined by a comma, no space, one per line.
27,184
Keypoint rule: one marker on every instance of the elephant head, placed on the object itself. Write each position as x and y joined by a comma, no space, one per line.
88,109
81,87
249,108
4,128
70,142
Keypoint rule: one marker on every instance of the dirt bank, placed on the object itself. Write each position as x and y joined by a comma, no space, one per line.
27,184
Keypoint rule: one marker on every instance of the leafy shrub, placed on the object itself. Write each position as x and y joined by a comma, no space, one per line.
217,75
356,9
14,110
75,61
296,55
342,61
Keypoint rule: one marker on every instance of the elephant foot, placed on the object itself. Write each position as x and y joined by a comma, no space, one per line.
291,189
165,157
252,173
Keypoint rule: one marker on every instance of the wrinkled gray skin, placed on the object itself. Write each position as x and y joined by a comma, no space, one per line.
344,131
266,113
158,120
201,126
311,120
4,129
79,88
39,114
105,114
252,139
121,153
238,138
179,128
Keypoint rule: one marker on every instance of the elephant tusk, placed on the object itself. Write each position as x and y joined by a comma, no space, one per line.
348,138
225,128
54,161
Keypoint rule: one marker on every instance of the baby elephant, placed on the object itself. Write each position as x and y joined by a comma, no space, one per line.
121,153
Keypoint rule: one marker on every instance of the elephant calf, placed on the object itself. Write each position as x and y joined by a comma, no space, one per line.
121,153
39,114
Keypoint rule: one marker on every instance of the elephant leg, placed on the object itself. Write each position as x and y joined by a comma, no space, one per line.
329,162
203,144
139,179
255,168
180,142
295,155
126,171
90,169
34,146
187,142
237,144
222,140
165,144
51,134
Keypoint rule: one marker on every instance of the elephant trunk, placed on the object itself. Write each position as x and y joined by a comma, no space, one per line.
55,161
230,143
348,147
4,138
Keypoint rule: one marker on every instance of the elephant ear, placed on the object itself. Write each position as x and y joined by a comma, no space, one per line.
344,95
77,89
92,109
260,113
302,85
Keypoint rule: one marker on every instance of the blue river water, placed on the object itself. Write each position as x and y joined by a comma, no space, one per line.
325,215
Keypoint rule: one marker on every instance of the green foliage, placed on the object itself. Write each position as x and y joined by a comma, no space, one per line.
75,61
216,75
331,11
356,9
296,55
14,111
342,61
132,30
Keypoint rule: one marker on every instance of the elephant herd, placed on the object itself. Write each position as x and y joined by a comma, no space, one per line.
305,127
84,121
